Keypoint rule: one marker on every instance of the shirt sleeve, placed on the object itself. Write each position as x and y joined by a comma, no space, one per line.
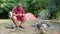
23,11
14,10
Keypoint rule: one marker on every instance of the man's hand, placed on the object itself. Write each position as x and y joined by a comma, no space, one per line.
23,14
20,14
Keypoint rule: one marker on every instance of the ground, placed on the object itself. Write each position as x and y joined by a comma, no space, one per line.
4,23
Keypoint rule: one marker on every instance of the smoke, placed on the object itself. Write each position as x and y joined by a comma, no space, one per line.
51,5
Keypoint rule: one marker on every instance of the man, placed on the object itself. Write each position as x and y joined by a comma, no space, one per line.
18,14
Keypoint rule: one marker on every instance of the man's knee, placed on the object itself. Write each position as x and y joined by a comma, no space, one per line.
14,18
24,18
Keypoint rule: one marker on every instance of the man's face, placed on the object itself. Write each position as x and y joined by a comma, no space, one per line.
19,7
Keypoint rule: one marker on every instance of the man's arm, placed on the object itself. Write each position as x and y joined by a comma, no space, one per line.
14,11
13,14
23,12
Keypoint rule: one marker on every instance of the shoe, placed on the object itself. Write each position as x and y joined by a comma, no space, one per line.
17,27
21,27
12,27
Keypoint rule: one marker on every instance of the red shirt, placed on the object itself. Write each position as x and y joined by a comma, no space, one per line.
21,11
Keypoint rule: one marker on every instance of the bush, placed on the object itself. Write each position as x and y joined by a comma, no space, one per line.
29,6
33,6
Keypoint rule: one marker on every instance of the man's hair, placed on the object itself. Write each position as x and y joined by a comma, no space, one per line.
20,4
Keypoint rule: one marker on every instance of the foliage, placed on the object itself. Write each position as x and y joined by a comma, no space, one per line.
29,6
5,7
33,6
56,13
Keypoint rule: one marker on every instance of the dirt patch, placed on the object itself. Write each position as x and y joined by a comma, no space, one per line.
27,30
